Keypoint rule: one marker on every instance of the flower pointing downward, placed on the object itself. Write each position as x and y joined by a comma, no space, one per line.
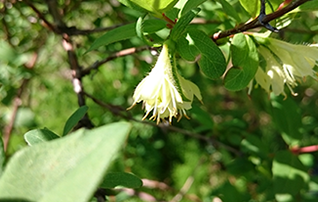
165,92
285,64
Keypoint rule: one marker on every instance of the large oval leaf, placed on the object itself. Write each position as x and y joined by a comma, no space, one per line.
66,169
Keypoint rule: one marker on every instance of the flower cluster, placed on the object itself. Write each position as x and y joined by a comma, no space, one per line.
164,91
285,64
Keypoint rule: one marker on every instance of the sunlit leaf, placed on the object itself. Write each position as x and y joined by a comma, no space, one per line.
156,7
289,174
251,6
67,168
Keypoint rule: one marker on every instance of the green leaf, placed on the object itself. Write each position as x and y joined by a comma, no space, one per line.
132,5
289,174
74,119
245,63
112,180
310,5
189,5
180,27
2,156
203,117
114,35
39,135
254,145
140,24
69,168
153,25
251,6
234,196
230,11
287,118
125,32
156,7
195,44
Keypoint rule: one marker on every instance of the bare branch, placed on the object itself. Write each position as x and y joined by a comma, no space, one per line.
16,104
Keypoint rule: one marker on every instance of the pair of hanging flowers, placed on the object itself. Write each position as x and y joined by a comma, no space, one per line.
286,64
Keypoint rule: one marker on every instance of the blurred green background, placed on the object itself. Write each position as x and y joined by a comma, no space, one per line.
225,150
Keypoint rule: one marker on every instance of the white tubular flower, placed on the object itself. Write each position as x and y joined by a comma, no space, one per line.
298,60
163,91
285,63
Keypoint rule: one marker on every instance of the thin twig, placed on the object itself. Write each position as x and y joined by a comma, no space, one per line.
113,56
256,23
47,24
16,104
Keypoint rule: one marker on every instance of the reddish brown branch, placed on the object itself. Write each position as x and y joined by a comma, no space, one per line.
17,102
308,149
256,23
